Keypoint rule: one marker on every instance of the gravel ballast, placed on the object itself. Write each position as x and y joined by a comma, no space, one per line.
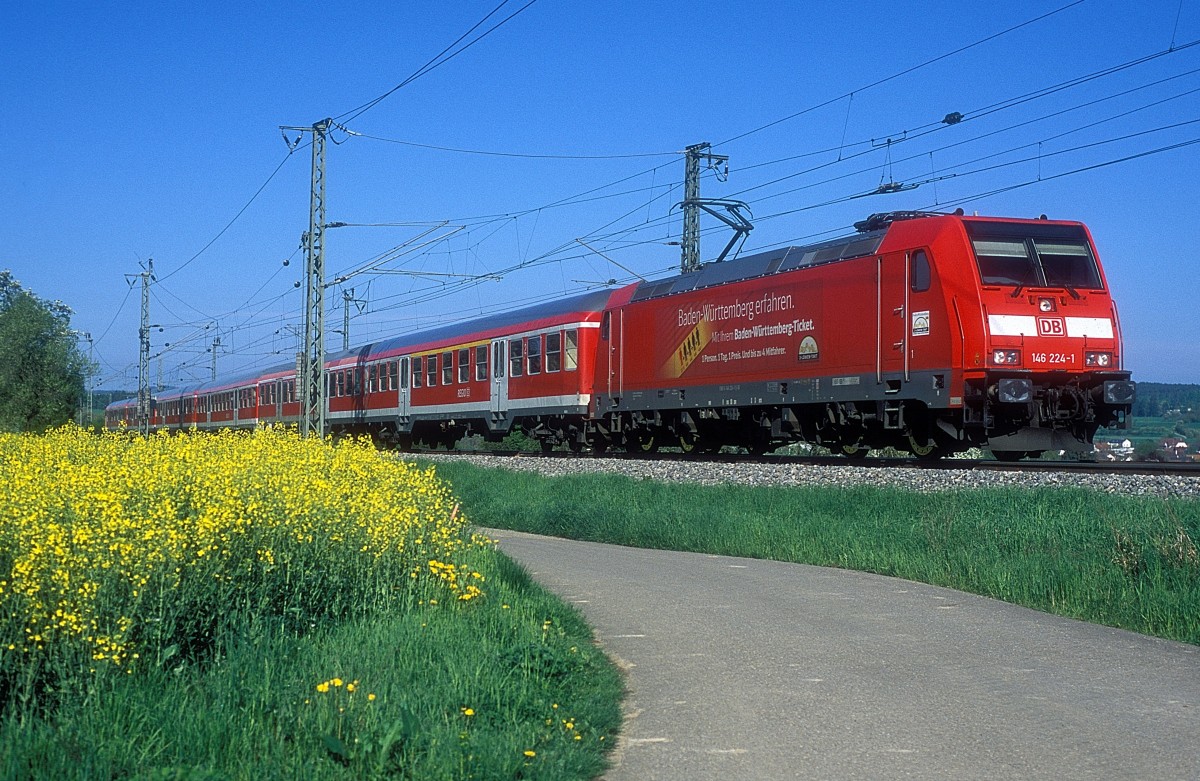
924,480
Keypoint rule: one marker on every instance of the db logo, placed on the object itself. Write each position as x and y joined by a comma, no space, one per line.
1051,326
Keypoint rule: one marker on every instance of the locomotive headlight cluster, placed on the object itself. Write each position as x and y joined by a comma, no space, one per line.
1006,357
1097,359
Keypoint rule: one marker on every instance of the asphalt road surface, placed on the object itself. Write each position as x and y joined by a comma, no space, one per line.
747,669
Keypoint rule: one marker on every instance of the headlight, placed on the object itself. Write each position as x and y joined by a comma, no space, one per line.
1101,360
1014,391
1120,392
1006,357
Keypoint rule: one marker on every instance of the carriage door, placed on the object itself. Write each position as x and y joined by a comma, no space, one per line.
499,379
612,336
891,321
402,401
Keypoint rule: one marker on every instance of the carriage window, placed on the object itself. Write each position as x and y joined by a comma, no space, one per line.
402,367
447,368
431,371
571,352
516,358
417,369
920,272
534,348
341,384
464,365
372,378
553,351
481,362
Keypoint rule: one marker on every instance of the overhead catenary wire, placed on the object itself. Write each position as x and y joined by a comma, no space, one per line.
437,61
904,72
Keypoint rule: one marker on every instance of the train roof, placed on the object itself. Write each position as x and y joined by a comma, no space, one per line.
764,264
867,241
593,301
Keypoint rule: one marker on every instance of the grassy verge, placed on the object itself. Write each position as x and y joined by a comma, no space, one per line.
436,692
1130,562
264,606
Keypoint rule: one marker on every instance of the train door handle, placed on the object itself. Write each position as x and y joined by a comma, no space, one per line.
897,345
898,310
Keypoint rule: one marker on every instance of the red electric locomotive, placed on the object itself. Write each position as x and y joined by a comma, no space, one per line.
930,333
926,333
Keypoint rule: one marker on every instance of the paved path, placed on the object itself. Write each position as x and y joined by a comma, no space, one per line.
748,669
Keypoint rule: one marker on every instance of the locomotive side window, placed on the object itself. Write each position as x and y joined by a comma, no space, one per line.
1067,264
1005,263
554,351
920,272
571,352
481,360
605,324
418,367
516,358
464,365
534,348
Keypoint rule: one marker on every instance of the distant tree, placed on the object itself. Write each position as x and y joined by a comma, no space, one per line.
1155,399
42,371
1147,450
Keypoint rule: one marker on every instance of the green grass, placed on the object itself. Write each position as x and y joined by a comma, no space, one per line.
1129,562
521,661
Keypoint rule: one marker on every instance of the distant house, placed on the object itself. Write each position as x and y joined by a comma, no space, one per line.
1174,449
1115,451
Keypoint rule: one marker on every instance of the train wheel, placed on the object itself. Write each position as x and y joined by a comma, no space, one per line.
641,442
687,441
924,447
854,450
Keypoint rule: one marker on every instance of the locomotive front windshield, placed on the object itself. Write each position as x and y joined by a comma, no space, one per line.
1036,262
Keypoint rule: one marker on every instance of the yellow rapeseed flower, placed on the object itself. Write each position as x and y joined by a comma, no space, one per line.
114,537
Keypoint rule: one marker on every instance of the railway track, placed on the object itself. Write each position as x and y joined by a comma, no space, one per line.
1174,469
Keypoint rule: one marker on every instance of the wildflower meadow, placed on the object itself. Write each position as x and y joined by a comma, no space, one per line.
325,607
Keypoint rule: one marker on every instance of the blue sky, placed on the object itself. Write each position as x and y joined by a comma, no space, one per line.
140,130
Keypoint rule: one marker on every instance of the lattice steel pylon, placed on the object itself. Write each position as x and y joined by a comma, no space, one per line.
693,204
690,260
145,399
311,363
